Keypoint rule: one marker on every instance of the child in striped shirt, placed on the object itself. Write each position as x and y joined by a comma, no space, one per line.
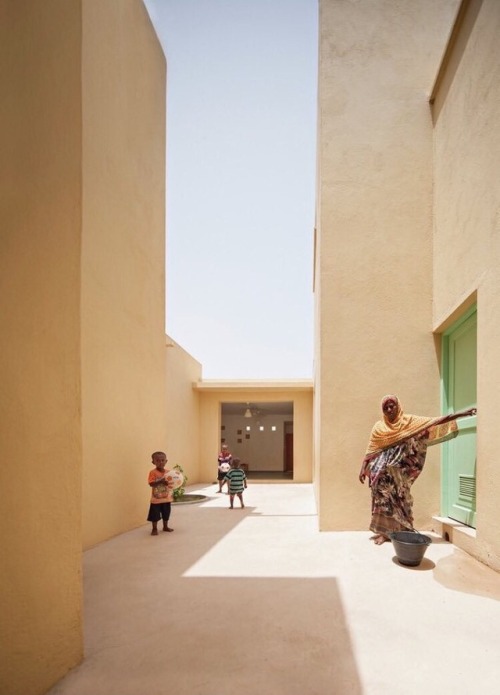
236,482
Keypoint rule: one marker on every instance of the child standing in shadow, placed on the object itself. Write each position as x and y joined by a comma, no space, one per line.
161,493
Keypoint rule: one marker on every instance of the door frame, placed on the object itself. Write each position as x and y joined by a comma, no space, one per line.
445,404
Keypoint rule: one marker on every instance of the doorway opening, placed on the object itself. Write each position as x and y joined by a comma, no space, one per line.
260,434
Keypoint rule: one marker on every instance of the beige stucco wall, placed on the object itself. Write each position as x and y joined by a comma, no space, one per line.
302,437
40,431
467,233
374,273
213,394
123,259
182,411
83,359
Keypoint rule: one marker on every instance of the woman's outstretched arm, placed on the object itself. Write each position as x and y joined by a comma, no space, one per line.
461,413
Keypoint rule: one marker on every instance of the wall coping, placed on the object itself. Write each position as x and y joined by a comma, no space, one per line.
254,385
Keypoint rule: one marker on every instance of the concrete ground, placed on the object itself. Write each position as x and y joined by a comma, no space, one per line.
258,602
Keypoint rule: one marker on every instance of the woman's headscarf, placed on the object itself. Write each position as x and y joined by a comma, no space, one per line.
385,434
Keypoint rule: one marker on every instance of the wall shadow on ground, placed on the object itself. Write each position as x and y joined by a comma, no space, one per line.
461,572
153,627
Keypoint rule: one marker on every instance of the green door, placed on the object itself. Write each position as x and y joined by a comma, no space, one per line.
459,454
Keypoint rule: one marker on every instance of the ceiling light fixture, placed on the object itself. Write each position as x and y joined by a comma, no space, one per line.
248,413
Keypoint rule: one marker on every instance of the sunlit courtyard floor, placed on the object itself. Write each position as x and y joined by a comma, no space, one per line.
257,601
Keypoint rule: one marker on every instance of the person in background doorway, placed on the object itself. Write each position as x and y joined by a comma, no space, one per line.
395,458
224,465
161,493
236,482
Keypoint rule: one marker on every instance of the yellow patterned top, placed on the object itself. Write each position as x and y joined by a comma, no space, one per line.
385,434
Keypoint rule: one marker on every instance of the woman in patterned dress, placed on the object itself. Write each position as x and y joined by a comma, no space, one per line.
395,458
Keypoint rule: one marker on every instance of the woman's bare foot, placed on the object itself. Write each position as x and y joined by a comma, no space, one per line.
380,538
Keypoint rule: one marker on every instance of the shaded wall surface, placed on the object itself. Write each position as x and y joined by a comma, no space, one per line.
123,261
467,231
262,449
374,238
40,396
82,128
182,411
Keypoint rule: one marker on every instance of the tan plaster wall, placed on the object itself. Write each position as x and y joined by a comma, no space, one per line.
183,411
467,236
123,258
302,437
376,69
40,433
210,423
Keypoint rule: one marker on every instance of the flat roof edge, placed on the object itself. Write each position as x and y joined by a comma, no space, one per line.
254,385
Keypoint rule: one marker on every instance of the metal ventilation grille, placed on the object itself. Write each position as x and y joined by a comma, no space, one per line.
467,487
